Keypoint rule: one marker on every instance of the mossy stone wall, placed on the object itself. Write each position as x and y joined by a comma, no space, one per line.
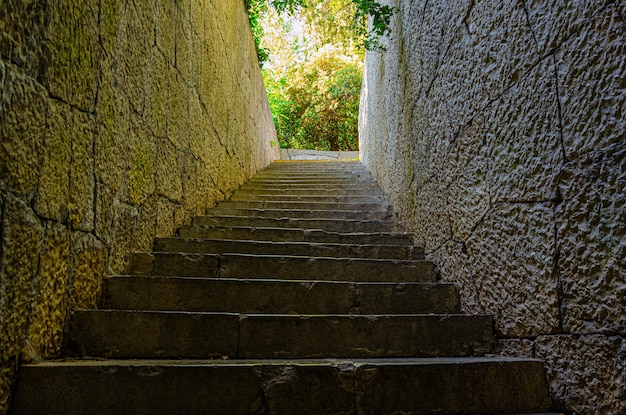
119,120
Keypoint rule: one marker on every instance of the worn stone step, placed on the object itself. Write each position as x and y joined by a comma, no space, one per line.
313,175
292,183
365,200
322,386
159,334
317,164
281,267
356,177
303,213
326,224
299,205
218,246
294,235
320,190
277,296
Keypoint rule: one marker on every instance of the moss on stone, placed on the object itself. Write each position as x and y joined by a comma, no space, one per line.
89,267
72,38
141,180
49,307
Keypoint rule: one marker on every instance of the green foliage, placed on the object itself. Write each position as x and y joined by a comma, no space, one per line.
315,104
367,37
312,54
381,18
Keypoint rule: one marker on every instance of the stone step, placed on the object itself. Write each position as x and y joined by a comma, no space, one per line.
302,164
331,165
468,386
302,213
366,200
218,246
288,183
173,334
294,235
328,182
326,224
299,205
344,174
320,190
277,296
281,267
354,174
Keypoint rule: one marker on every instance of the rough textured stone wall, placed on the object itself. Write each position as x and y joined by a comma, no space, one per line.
118,121
498,130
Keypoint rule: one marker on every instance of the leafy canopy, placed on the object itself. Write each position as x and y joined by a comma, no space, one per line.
367,37
311,53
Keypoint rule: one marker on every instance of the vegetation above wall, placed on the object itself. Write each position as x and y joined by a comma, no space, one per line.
312,52
367,37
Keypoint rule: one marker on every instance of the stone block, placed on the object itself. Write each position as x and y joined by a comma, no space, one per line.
469,195
52,199
452,261
82,185
524,137
191,196
178,110
186,265
432,220
71,67
89,267
183,45
554,22
133,50
165,33
268,336
124,225
512,255
591,68
22,241
200,129
128,334
109,21
113,130
324,268
157,94
146,224
49,306
285,387
592,237
516,347
168,171
22,34
23,105
142,174
7,374
585,374
170,216
468,144
504,44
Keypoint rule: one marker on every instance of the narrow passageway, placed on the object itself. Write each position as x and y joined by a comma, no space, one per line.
302,294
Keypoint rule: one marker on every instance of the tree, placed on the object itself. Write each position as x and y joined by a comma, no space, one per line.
311,52
315,104
367,36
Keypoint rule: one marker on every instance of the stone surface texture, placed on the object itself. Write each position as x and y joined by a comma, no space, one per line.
496,128
119,121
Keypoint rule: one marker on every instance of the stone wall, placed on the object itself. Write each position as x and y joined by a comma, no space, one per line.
118,121
497,128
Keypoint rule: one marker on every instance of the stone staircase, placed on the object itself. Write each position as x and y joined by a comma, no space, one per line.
299,295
